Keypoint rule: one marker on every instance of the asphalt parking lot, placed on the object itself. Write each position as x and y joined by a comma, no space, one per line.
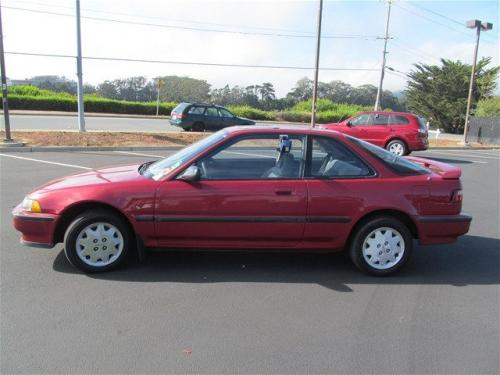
251,313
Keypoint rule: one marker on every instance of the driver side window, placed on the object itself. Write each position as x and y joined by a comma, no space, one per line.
256,157
364,119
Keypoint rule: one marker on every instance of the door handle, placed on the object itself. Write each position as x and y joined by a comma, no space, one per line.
284,192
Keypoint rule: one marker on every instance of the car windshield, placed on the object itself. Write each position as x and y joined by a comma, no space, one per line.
161,168
394,162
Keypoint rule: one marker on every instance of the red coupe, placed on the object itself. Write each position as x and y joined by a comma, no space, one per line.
267,188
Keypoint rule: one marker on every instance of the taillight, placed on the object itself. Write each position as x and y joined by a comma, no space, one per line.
457,196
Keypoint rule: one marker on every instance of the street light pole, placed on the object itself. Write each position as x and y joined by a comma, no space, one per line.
384,54
5,101
316,66
81,111
158,86
478,25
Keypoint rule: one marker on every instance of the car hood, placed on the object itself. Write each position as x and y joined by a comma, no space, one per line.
110,175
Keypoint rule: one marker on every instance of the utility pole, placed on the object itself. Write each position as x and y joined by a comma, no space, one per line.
316,66
384,54
478,25
81,111
5,101
158,86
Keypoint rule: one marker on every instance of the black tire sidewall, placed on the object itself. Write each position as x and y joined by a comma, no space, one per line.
402,143
198,127
85,219
356,252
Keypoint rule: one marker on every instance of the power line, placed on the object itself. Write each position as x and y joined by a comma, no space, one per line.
436,22
165,19
415,52
398,75
102,58
438,14
188,28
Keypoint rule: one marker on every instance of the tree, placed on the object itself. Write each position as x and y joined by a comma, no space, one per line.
439,93
303,89
488,107
184,89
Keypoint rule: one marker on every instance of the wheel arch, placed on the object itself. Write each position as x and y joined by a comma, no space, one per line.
397,139
400,215
76,209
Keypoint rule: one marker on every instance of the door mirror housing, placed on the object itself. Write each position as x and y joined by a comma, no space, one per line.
190,174
348,123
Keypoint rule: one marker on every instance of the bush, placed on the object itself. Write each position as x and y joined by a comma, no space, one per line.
252,113
44,100
488,107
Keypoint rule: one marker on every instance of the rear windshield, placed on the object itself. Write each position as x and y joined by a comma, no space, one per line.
180,108
397,164
422,123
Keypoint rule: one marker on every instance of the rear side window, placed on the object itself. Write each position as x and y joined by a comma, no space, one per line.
393,162
180,108
212,111
398,120
330,159
196,110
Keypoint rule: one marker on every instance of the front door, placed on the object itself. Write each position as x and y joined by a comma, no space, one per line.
378,130
250,195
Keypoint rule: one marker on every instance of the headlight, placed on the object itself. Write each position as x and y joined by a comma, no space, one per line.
31,205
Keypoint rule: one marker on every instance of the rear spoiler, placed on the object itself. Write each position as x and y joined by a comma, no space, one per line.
446,171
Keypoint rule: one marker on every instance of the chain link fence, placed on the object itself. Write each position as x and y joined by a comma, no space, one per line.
484,130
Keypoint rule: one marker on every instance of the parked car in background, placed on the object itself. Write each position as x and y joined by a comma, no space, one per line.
279,188
398,132
199,117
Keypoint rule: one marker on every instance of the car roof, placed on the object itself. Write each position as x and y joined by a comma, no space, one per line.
386,113
279,129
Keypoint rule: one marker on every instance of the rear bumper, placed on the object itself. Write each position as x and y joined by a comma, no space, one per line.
181,124
36,229
420,144
440,229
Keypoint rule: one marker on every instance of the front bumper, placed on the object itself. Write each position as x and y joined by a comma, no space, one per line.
36,229
440,229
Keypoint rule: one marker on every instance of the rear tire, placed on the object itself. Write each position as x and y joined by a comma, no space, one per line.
198,127
397,147
97,241
381,246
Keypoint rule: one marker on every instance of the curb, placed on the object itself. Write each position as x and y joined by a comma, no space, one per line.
160,148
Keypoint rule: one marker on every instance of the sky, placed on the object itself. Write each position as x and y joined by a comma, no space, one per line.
421,31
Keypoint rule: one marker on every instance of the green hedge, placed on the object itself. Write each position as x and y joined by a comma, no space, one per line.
92,104
34,98
252,113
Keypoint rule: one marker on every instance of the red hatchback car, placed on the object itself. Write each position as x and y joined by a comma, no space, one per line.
282,188
398,132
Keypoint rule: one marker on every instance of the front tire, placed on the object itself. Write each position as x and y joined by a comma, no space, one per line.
397,147
97,241
381,246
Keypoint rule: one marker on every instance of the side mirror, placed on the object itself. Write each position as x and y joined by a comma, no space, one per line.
348,123
191,174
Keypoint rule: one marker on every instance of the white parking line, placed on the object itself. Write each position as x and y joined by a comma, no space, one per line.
46,162
463,155
138,154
